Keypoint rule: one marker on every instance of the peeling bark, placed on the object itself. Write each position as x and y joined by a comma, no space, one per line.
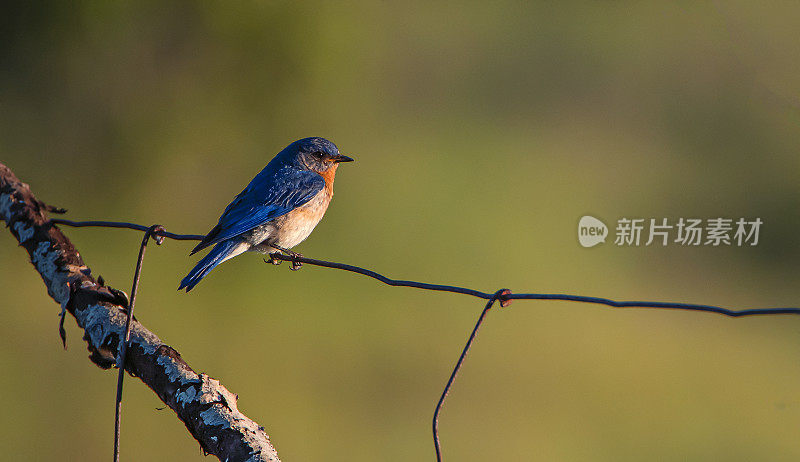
206,407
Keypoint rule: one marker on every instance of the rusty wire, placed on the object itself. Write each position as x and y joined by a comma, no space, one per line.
152,231
456,289
460,361
504,296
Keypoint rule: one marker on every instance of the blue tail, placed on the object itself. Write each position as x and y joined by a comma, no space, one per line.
220,252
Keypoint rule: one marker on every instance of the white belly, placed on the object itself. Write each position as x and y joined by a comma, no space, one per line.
293,228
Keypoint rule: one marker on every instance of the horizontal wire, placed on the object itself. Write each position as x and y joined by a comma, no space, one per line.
636,304
504,298
122,224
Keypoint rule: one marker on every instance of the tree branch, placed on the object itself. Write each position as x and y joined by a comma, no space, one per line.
206,407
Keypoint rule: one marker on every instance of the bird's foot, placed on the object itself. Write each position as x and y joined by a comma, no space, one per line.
273,260
296,265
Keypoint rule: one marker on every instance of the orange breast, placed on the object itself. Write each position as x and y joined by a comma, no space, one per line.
328,176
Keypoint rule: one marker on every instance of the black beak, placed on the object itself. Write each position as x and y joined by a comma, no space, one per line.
341,158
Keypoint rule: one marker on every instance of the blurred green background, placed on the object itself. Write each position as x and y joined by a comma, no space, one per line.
482,132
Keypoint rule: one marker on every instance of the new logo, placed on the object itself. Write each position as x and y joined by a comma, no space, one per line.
591,231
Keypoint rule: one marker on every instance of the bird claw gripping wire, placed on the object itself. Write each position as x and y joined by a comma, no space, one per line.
296,265
272,260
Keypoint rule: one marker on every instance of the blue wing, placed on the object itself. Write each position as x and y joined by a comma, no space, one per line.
272,193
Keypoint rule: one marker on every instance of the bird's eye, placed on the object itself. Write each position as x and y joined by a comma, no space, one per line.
318,154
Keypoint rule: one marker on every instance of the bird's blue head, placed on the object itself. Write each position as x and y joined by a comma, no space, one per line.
315,154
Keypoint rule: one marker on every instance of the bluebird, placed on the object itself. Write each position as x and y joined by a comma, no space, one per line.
277,210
